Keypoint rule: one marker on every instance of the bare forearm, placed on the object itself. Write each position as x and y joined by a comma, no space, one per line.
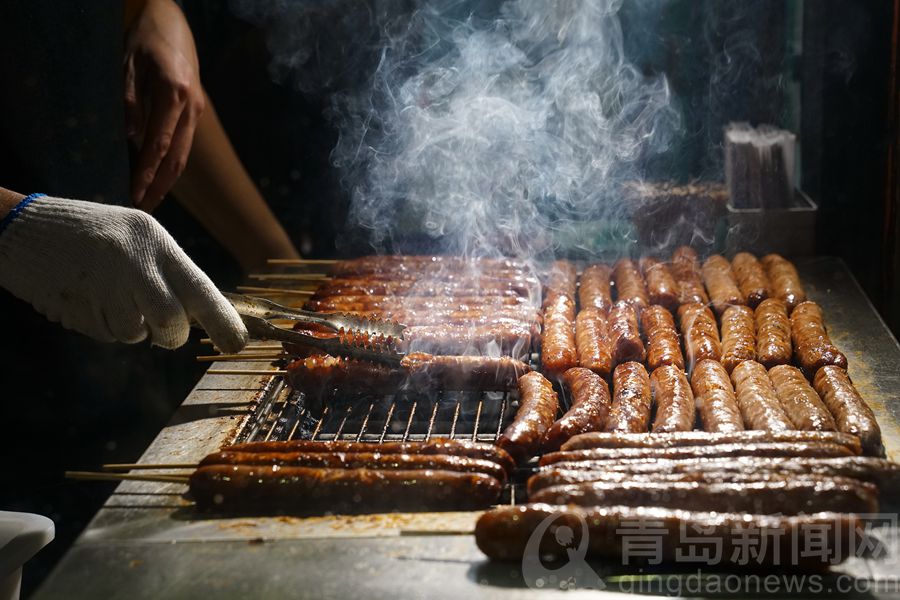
217,190
8,200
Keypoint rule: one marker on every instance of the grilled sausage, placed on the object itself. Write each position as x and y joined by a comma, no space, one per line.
850,411
758,497
784,282
624,334
462,372
439,446
661,286
471,317
321,374
812,346
510,339
663,347
422,289
800,401
558,350
673,399
433,283
686,272
558,346
589,410
757,399
303,490
397,264
594,288
716,402
773,333
738,336
751,278
700,332
504,533
367,303
359,460
538,405
630,286
592,341
562,279
551,476
631,404
721,284
702,438
878,471
559,306
594,458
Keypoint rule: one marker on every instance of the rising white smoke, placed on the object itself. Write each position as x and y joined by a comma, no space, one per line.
492,128
500,136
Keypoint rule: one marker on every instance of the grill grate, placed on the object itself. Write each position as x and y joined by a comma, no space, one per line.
283,414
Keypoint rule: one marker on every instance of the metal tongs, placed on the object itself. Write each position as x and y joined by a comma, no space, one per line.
357,337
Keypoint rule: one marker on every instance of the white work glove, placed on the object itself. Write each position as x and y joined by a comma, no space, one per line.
113,274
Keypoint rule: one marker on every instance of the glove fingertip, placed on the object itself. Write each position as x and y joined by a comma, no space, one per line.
233,340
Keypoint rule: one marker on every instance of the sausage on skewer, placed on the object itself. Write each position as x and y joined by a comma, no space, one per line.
800,401
594,289
632,402
716,403
661,286
673,399
757,398
773,333
538,405
630,286
504,533
439,446
304,490
663,346
738,336
374,459
784,281
592,341
700,332
624,334
757,497
751,278
850,411
686,271
599,439
590,408
812,346
721,284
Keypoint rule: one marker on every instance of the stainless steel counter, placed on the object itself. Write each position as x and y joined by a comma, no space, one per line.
147,542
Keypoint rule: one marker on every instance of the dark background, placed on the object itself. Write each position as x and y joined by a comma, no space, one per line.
56,417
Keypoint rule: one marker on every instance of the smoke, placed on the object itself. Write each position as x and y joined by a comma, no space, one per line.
483,128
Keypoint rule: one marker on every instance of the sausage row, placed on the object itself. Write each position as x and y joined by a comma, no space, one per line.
305,477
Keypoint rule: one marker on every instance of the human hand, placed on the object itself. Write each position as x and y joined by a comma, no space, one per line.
163,98
113,274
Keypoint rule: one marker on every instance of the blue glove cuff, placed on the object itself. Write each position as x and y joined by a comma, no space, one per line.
12,214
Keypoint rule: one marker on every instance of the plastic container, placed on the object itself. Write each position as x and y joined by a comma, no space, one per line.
22,535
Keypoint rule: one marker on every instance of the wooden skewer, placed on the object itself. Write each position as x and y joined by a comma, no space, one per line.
291,276
139,466
96,476
245,372
249,347
249,289
241,357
